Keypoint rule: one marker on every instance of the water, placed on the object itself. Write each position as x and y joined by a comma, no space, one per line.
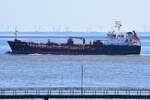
65,71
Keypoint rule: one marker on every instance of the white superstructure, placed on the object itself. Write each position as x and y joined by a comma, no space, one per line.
118,38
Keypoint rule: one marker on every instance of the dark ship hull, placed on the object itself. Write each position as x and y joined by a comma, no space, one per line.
19,47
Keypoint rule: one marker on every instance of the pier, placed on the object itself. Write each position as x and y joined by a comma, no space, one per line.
85,93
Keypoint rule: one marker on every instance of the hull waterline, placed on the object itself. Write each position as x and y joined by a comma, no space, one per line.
24,48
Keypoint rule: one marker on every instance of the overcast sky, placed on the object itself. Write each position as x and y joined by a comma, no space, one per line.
80,15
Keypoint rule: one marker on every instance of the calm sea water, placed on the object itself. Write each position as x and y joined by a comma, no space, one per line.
65,71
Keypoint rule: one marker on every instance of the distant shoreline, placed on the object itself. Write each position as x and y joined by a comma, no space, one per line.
59,32
142,37
51,36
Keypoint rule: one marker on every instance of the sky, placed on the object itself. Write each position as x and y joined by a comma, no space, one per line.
74,15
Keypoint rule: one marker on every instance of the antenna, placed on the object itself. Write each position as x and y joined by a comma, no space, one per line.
16,35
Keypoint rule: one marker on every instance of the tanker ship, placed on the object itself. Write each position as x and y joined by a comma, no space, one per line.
116,43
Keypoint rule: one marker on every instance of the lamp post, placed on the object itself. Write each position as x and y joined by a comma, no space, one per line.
82,78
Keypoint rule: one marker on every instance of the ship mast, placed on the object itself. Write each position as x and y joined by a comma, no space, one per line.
118,27
16,35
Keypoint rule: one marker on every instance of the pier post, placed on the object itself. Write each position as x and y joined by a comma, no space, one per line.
45,98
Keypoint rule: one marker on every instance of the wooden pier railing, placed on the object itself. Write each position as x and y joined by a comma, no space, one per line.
62,92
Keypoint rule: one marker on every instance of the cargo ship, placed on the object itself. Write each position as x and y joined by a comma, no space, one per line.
116,43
